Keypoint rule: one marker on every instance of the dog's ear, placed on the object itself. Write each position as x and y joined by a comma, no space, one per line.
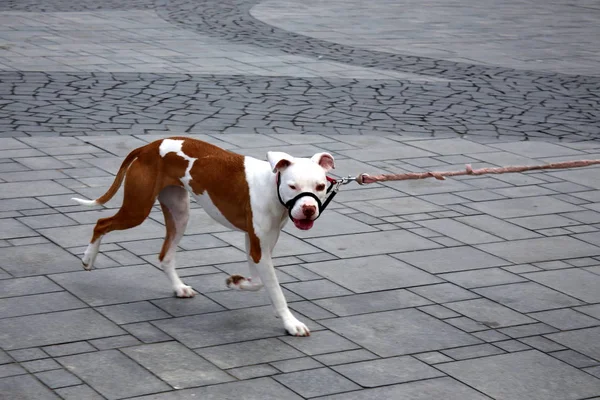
279,160
325,160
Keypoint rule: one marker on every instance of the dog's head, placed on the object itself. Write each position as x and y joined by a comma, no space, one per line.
301,182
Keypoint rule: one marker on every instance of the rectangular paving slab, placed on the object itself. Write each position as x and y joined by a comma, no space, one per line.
542,249
575,282
524,375
368,274
400,332
38,259
364,244
451,259
54,328
177,365
112,374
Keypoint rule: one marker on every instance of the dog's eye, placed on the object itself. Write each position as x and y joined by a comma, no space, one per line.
320,187
293,187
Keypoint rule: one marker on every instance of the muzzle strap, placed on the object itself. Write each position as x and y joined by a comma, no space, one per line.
331,190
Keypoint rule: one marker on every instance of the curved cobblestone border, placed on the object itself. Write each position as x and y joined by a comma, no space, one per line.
34,103
232,21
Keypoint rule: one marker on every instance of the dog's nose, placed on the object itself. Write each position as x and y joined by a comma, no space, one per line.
309,211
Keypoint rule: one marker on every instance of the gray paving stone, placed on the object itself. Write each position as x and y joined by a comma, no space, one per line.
479,350
399,332
365,244
316,382
315,289
366,274
538,250
466,324
527,330
450,260
253,371
582,340
147,333
331,223
253,389
428,186
397,206
542,344
198,305
575,359
102,287
371,302
114,342
489,313
459,231
297,364
433,357
27,189
523,207
11,228
112,374
437,388
592,310
345,357
516,376
575,282
132,312
224,327
321,342
11,370
22,355
565,319
68,349
79,392
484,277
543,221
177,365
38,259
311,310
54,328
57,378
26,286
25,387
444,292
528,297
38,304
437,311
512,346
248,353
40,365
387,371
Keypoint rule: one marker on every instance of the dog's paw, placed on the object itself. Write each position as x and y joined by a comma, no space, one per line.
238,282
87,266
235,281
295,327
184,291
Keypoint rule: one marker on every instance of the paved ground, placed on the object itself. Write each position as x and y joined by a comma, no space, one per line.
473,288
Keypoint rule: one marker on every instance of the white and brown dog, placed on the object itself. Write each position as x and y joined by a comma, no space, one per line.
240,192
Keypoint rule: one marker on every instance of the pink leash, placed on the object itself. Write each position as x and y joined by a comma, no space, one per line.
364,179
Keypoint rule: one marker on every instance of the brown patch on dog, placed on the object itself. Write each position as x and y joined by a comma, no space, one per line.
216,172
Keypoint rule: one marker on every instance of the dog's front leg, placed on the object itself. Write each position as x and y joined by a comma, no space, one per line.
266,270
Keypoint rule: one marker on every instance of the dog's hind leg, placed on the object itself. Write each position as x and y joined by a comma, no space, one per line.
175,204
138,199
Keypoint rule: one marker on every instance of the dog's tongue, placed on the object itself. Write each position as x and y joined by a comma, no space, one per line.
304,224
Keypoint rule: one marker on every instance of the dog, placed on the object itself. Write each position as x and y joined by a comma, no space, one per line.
243,193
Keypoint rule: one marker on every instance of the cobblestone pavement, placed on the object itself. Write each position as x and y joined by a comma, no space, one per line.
469,289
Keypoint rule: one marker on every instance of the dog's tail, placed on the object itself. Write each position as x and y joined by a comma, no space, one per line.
116,183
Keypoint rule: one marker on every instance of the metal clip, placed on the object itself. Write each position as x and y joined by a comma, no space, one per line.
343,181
